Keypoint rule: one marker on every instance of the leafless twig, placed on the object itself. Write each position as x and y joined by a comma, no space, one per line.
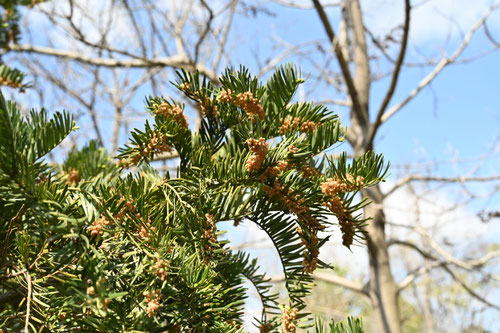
395,76
28,300
334,279
440,66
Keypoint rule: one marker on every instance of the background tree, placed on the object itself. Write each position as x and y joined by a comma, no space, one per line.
111,59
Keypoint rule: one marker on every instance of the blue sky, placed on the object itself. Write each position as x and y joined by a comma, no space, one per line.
460,111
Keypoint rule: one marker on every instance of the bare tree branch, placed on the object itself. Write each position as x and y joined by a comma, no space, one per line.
430,62
444,265
440,66
177,61
335,102
459,179
334,279
277,60
395,76
28,301
490,36
469,289
254,244
344,41
116,129
178,25
301,6
416,273
344,66
48,75
359,118
343,282
225,34
448,258
468,265
204,32
166,156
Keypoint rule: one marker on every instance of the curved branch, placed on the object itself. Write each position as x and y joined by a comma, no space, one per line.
444,265
333,279
440,66
301,6
395,76
469,289
205,31
273,63
28,301
344,66
342,282
225,34
460,179
490,36
468,265
416,273
177,61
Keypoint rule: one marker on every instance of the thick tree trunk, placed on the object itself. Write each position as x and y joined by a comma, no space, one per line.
382,288
359,117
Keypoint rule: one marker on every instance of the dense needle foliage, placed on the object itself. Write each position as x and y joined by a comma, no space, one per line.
97,245
10,34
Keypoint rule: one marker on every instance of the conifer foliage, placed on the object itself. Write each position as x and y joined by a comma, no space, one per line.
93,245
10,34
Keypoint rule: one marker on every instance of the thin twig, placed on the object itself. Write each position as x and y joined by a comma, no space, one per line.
444,265
301,6
334,101
11,223
334,279
176,61
205,31
460,179
439,67
28,301
395,76
225,34
416,273
344,66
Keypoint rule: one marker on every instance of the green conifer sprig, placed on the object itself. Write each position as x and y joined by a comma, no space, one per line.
103,249
10,33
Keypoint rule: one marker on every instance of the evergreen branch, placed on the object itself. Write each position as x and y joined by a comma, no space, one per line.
249,270
101,232
12,77
280,231
28,300
353,325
